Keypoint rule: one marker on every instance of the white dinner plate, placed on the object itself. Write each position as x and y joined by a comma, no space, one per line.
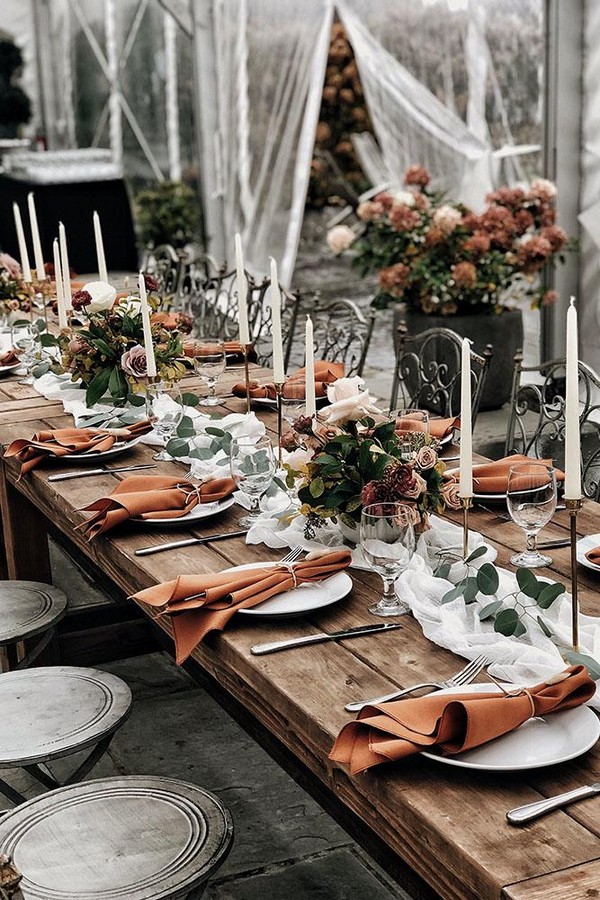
301,600
584,545
117,448
200,512
539,742
6,370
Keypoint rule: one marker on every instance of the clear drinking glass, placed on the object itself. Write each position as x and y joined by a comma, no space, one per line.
209,363
531,501
387,539
292,409
412,420
253,465
23,339
165,411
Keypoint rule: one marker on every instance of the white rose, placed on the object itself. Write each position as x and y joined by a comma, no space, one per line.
403,198
298,459
103,296
344,387
446,218
340,238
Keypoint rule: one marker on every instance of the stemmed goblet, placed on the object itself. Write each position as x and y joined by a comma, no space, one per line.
165,411
387,540
23,338
209,362
531,502
253,466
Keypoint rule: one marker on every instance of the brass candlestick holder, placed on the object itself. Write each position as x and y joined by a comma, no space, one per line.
574,506
246,349
466,503
279,392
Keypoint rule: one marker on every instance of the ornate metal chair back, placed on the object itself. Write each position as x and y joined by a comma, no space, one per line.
342,333
427,372
168,267
536,425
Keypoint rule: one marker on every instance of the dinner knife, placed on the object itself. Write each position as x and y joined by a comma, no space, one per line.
520,815
66,475
553,545
275,646
187,542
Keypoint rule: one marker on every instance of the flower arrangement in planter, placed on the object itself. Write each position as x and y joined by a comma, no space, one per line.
441,258
107,353
350,456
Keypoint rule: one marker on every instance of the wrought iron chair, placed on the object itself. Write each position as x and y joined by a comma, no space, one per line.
342,333
427,372
168,267
536,425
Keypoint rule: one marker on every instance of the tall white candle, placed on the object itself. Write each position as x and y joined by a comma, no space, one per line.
465,487
25,267
60,298
35,234
275,295
149,346
311,401
242,289
102,271
65,268
572,433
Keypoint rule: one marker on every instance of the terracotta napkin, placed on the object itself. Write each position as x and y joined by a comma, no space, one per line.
234,353
450,724
151,497
64,441
10,358
198,604
437,428
594,556
492,478
295,385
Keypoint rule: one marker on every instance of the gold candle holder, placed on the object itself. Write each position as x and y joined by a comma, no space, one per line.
279,393
466,503
247,348
574,506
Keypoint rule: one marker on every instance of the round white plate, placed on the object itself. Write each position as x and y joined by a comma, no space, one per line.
301,600
198,513
6,370
263,401
539,742
584,545
117,448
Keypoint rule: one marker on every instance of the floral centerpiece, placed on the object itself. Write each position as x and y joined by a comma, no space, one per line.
350,455
107,354
441,258
15,295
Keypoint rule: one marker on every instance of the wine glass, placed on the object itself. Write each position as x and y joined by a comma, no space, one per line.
164,409
209,363
410,420
253,466
387,539
292,408
531,501
23,338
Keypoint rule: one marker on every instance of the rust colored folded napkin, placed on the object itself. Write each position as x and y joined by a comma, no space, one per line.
450,724
65,441
234,351
593,556
492,478
295,385
151,497
198,604
10,358
437,428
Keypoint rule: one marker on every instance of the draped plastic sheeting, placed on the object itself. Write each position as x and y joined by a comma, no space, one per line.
270,63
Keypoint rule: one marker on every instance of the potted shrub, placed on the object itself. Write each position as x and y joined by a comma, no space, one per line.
167,214
450,267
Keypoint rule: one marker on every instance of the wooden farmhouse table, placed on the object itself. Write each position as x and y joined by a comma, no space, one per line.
440,829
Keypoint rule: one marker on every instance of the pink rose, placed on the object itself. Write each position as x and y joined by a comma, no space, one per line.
450,495
340,238
426,458
446,218
134,362
76,345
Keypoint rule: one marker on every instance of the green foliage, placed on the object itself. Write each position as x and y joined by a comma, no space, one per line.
167,214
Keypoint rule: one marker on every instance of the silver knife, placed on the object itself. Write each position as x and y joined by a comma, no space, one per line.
520,815
553,545
187,542
88,472
275,646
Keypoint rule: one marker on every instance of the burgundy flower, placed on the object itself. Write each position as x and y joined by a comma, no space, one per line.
150,282
185,323
417,175
80,299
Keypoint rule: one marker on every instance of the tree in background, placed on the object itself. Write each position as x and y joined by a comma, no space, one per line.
15,106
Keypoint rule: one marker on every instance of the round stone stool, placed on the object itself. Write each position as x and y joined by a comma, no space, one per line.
50,712
136,837
28,609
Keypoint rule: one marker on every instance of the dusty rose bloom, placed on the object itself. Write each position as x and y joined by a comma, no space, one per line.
478,244
369,210
426,458
450,494
417,175
76,345
13,305
533,253
523,220
134,362
549,298
556,237
465,274
447,218
403,218
434,236
542,189
385,198
340,238
394,279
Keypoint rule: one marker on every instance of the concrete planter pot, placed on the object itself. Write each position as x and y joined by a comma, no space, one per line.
503,332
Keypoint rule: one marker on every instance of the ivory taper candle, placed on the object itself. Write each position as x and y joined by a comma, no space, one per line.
465,486
242,290
65,268
102,271
60,298
148,344
311,401
572,433
25,267
275,295
35,235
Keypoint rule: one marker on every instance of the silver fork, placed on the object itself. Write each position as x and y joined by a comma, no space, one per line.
465,676
292,556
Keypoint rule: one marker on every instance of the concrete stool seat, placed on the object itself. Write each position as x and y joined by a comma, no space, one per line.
50,712
135,837
28,609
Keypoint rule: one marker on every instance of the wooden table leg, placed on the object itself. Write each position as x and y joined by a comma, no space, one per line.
25,535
